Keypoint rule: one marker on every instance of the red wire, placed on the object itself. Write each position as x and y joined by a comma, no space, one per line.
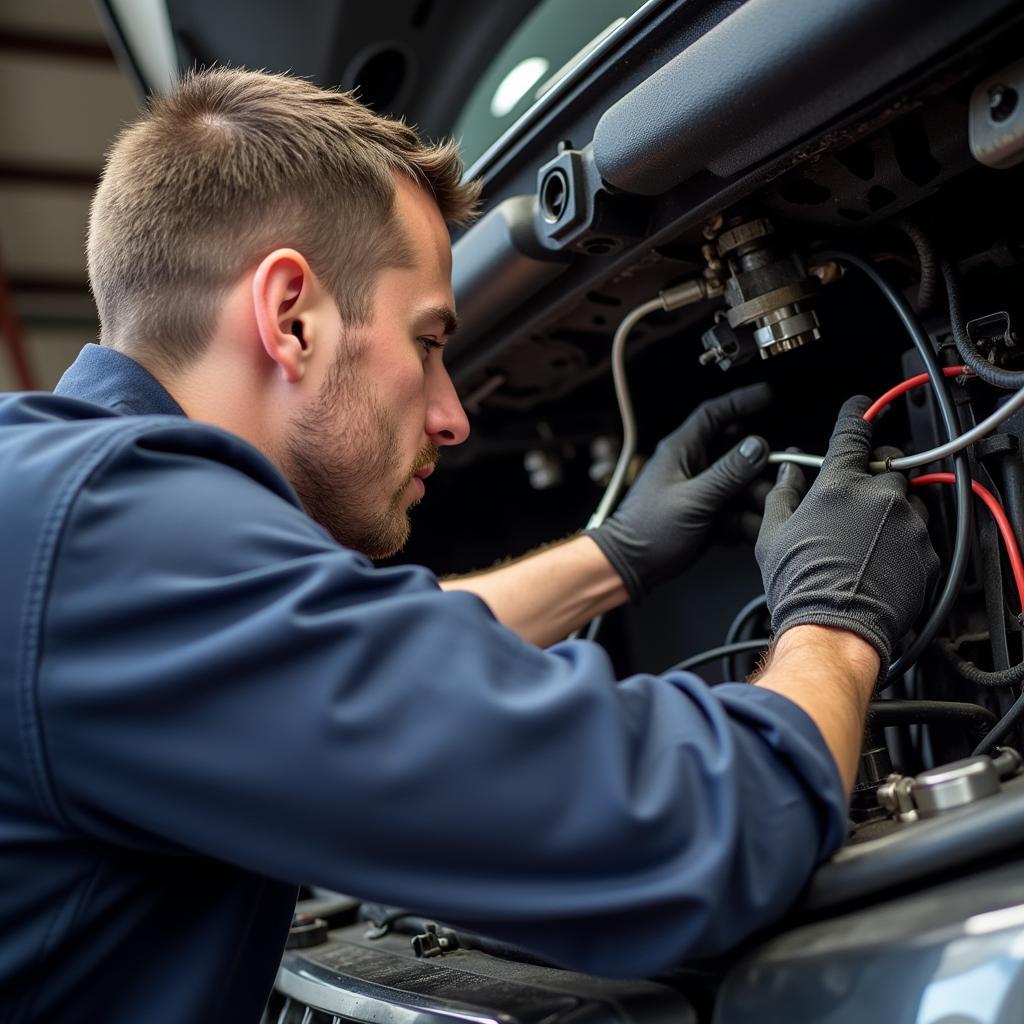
908,385
1005,530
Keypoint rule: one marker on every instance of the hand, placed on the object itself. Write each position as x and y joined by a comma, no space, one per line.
665,519
854,553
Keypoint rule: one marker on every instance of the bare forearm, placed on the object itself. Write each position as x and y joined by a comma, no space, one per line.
545,596
830,674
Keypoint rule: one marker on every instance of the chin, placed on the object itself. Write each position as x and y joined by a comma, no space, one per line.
389,536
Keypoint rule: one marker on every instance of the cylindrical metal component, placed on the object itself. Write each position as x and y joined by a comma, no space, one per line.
785,329
955,785
743,234
498,265
696,289
758,306
765,287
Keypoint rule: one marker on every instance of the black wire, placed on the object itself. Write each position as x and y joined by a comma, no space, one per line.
964,504
1011,380
1012,676
719,652
926,260
973,717
1002,727
754,605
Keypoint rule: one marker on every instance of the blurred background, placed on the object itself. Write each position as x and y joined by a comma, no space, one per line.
62,99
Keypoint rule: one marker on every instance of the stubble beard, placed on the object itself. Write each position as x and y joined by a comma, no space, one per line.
342,452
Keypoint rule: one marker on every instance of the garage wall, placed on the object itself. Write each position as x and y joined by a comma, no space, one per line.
62,101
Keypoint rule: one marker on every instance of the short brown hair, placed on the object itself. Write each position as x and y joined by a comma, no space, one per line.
231,165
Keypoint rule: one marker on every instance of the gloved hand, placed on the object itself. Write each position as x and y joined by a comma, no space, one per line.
666,517
854,553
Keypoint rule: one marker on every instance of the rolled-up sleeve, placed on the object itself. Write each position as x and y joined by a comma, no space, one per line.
220,678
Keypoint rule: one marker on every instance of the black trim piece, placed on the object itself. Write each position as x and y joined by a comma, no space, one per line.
765,77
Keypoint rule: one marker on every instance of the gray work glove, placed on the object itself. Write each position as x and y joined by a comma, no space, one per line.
854,553
664,521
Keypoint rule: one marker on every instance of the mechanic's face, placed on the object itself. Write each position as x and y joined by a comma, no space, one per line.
359,454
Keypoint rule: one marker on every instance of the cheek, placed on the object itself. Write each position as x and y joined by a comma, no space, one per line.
402,404
410,393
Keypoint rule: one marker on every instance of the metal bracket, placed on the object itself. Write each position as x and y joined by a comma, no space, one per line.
992,329
434,942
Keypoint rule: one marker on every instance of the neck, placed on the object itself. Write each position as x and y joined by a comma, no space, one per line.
217,392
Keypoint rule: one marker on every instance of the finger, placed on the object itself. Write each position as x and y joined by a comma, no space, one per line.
710,418
730,474
851,439
886,451
890,478
782,500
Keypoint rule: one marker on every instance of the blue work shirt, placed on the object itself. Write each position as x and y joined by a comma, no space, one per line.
205,700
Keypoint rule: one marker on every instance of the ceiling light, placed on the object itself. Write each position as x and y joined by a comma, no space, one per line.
517,83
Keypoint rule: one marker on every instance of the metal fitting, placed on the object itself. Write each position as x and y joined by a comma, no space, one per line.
713,226
895,796
948,786
828,272
543,469
767,287
743,234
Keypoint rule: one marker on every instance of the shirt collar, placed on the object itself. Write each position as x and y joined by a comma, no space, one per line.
115,381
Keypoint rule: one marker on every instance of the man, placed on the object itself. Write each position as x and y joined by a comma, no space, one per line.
209,694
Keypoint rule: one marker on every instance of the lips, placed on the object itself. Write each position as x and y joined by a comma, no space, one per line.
422,474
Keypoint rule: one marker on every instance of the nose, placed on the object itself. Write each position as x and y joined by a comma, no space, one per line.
446,419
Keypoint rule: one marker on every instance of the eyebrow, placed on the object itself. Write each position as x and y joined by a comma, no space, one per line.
445,314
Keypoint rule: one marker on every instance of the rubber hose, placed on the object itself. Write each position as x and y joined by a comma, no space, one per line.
751,608
1010,380
974,717
980,677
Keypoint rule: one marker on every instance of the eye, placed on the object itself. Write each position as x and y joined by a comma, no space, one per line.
430,344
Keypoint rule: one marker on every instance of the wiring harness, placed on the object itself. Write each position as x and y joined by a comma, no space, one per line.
974,364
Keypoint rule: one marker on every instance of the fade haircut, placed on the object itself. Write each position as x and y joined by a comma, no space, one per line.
232,165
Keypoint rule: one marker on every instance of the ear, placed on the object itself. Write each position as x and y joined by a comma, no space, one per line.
284,294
